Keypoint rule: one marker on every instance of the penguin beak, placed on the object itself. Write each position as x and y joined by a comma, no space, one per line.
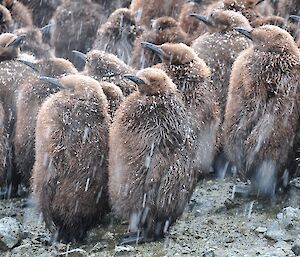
259,2
54,82
201,18
30,64
155,48
245,32
295,18
17,41
46,29
80,55
135,79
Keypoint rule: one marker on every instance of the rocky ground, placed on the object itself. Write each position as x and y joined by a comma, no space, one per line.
215,223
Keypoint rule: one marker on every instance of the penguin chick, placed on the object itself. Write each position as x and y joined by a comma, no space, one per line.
6,22
30,96
108,67
33,45
70,173
114,97
164,29
75,25
150,174
20,14
146,11
220,48
192,26
192,77
12,74
118,34
262,112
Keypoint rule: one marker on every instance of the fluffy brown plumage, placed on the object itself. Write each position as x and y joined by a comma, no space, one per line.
42,10
118,34
192,77
12,74
262,113
30,96
107,67
70,172
164,29
150,174
33,45
146,11
114,97
20,14
220,48
6,22
75,26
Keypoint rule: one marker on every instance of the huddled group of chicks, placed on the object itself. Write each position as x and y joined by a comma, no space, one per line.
125,106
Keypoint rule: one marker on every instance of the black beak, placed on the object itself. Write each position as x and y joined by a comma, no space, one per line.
259,2
245,32
135,79
46,29
201,18
155,48
17,41
30,64
295,18
80,55
54,82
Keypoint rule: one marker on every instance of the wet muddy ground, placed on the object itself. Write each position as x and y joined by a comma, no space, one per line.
213,224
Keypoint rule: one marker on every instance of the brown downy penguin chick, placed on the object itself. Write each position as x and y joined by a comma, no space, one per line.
164,29
6,22
220,48
75,25
192,26
107,67
247,7
114,97
192,77
262,113
42,10
150,174
31,94
20,14
153,9
12,74
70,174
33,45
118,34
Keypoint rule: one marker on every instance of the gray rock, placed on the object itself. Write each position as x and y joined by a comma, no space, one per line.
209,253
261,230
289,216
29,250
10,233
126,248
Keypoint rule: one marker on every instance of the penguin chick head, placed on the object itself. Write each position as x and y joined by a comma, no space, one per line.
5,19
7,3
172,53
223,20
152,81
270,38
164,23
55,67
9,46
122,20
